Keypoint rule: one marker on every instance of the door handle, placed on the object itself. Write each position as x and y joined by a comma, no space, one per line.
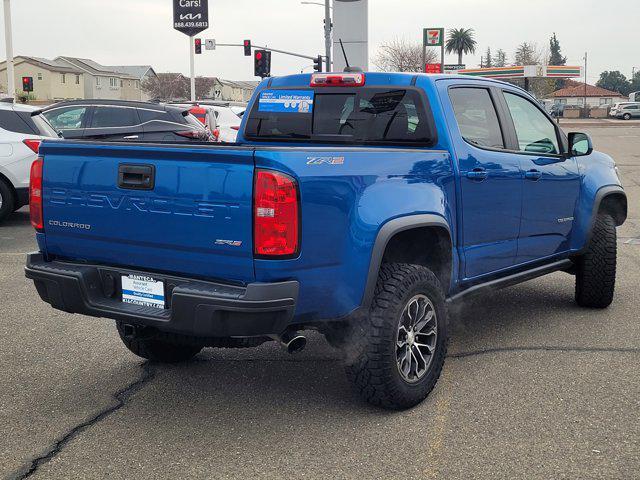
533,175
136,177
477,174
131,137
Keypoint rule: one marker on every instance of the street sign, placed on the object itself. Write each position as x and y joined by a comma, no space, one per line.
433,37
210,44
433,68
190,16
454,67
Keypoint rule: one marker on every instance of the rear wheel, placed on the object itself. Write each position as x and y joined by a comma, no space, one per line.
7,201
155,347
596,268
395,356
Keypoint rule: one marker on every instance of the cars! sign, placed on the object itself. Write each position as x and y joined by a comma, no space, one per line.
190,16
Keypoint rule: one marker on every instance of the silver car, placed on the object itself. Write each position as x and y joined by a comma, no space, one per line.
628,111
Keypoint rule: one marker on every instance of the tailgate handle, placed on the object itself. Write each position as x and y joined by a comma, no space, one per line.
136,177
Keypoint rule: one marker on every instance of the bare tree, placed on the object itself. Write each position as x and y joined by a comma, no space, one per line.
175,86
527,54
399,55
167,86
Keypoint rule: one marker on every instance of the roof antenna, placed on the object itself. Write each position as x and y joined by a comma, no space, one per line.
348,68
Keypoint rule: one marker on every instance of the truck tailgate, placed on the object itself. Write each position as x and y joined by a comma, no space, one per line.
176,209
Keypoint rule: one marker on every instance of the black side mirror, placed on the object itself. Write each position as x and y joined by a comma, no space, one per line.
580,144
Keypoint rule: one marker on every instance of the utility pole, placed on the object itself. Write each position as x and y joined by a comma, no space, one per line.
585,82
192,62
11,82
327,34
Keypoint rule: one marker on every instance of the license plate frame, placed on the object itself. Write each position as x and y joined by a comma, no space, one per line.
143,290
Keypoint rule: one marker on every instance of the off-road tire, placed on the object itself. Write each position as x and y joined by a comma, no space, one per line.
370,355
596,267
156,347
6,200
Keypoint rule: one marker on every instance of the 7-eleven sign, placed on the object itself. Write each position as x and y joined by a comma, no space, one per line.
433,37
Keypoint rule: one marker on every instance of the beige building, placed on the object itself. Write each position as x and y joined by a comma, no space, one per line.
232,91
102,82
52,80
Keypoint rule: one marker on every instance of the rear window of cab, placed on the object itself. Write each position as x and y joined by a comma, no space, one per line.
363,115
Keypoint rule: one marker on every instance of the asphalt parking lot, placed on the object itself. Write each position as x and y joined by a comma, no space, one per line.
534,387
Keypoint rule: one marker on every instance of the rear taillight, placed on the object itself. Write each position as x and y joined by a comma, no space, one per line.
35,194
275,214
34,145
216,135
337,80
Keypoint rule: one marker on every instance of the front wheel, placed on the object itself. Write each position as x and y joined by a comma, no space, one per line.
395,356
152,346
627,116
596,267
6,201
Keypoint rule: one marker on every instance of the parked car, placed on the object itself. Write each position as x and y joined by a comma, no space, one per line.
355,204
616,107
21,130
116,120
628,111
227,122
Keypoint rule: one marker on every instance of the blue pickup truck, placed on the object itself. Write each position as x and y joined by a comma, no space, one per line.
357,204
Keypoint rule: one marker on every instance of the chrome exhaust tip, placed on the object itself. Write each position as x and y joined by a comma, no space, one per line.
296,344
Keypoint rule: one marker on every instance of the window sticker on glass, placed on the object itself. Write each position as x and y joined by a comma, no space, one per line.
282,101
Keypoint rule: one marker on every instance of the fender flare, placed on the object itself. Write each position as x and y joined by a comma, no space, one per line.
386,232
601,194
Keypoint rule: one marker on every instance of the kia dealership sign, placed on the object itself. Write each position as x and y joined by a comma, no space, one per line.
190,16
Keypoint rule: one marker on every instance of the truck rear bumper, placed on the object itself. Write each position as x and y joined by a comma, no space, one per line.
193,307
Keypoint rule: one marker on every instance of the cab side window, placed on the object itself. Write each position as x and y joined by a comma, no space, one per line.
535,132
476,116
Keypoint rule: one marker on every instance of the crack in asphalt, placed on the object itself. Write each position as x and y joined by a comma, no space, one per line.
121,398
123,395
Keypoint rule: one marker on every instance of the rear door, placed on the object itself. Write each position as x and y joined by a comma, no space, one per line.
70,121
114,123
490,181
551,184
176,209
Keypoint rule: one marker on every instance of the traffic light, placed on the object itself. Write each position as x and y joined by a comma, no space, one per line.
247,48
27,84
262,63
317,64
198,42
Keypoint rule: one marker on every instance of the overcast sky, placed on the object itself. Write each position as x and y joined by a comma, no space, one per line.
140,31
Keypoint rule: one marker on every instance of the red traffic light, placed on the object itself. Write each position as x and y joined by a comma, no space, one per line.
258,55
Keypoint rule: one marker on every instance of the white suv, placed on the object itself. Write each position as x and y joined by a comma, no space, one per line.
20,135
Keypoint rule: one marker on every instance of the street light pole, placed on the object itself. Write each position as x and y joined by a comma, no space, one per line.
327,34
328,25
11,82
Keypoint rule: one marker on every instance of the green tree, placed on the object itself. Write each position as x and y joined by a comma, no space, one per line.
555,57
488,59
526,54
614,81
500,58
461,41
634,85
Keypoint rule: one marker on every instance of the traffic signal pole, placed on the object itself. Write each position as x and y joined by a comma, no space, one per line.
11,81
192,62
259,47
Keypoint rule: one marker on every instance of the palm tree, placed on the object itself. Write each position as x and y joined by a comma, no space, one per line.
461,41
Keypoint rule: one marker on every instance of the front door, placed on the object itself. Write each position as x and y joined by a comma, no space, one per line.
551,186
490,182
